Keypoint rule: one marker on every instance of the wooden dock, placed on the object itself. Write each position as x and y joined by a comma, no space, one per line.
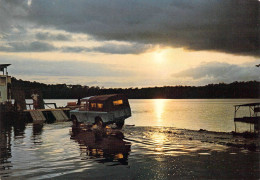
47,115
31,112
251,118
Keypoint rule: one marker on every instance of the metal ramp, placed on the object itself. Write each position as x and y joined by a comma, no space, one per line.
60,115
37,116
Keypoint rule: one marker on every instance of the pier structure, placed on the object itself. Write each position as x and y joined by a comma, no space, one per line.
252,118
5,84
32,112
6,107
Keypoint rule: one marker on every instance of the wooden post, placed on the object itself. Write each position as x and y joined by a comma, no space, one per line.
234,119
19,98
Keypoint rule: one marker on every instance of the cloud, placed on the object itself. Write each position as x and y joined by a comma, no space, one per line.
11,11
228,26
111,48
52,37
24,45
215,72
71,68
134,48
35,46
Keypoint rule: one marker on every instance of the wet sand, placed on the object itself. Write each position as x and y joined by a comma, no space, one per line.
58,151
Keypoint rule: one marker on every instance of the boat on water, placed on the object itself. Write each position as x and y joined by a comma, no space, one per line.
252,118
101,110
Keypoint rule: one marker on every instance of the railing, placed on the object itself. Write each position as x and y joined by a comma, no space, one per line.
45,104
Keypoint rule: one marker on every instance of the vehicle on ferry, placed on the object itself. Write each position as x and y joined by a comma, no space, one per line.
101,110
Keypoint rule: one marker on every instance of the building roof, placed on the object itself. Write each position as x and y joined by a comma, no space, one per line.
2,66
250,104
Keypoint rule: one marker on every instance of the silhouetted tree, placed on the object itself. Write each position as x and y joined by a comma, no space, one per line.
250,89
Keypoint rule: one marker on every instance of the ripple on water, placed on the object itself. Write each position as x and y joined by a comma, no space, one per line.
162,141
56,149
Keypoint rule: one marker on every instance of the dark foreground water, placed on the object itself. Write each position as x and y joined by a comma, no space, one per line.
164,144
59,151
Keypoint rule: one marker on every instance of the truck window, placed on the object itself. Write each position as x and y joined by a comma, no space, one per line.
100,106
118,102
93,105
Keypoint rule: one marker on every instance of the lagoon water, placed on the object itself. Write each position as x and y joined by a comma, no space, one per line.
163,144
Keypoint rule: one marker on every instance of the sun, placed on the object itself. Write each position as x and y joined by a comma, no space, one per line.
159,56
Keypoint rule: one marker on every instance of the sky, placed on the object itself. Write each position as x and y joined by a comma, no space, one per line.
131,43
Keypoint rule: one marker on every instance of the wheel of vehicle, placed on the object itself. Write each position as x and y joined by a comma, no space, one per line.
74,121
120,124
98,121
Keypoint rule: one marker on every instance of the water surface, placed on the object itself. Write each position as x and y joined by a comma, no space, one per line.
158,147
195,114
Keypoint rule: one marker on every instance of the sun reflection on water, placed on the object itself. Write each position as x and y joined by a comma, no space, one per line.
158,138
159,109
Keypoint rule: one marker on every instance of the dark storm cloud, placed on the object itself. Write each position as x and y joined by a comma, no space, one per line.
11,11
228,26
60,68
35,46
52,37
219,25
221,72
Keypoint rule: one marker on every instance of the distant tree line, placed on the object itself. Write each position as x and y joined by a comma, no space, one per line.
250,89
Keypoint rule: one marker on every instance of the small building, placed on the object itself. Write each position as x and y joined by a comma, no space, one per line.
5,84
